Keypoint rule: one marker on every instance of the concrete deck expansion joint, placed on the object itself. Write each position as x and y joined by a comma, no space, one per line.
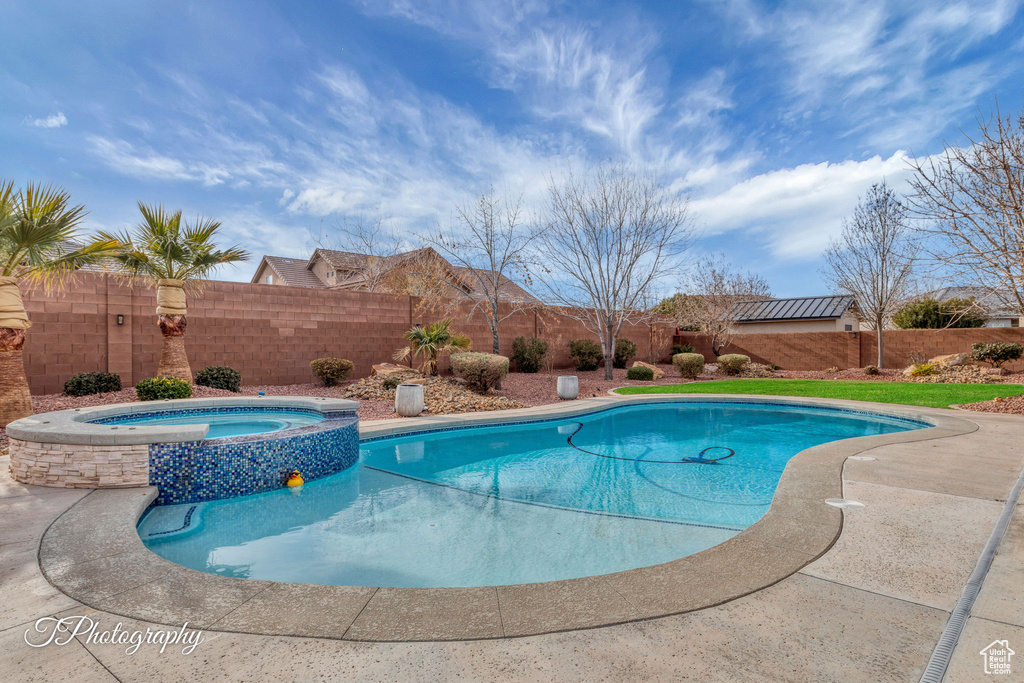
93,553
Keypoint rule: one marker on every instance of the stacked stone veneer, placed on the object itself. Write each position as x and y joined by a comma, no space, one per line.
79,466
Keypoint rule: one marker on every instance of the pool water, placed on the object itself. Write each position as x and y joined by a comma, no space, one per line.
514,504
226,423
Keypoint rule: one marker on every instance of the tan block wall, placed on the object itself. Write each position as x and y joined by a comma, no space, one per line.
79,467
269,333
821,350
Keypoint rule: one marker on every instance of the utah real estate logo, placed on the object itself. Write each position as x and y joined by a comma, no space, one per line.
997,657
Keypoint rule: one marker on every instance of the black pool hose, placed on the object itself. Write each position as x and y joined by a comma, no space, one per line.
699,460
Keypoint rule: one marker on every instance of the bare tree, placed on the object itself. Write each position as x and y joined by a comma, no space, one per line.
376,238
488,246
873,258
710,304
972,201
608,239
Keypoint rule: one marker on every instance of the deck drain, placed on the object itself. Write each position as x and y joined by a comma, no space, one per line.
845,504
861,457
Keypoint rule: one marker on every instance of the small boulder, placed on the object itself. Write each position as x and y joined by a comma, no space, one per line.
658,372
385,369
951,360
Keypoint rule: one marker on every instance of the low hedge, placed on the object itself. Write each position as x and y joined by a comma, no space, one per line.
732,363
481,371
88,383
160,388
995,353
689,365
528,353
625,350
220,377
586,354
330,371
641,373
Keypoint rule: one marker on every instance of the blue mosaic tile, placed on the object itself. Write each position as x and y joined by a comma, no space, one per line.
212,469
132,418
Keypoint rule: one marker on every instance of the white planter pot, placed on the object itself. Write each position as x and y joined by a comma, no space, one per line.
568,387
409,400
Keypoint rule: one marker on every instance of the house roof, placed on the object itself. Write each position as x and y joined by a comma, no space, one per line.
801,308
292,271
342,260
998,304
299,273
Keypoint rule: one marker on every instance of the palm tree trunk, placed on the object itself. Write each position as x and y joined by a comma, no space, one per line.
15,398
173,359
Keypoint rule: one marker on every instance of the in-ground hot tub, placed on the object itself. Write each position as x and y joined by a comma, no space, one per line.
193,450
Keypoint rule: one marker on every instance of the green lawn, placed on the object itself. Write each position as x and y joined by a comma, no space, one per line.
908,393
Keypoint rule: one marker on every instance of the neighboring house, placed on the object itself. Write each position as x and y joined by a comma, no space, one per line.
802,314
330,269
1000,307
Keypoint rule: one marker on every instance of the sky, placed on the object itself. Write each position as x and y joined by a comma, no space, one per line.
282,119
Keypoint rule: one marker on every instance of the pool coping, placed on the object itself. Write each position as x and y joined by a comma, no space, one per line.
93,553
72,427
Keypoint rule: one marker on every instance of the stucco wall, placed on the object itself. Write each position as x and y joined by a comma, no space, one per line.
787,326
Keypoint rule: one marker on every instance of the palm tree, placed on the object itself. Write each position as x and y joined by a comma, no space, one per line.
430,341
172,255
38,245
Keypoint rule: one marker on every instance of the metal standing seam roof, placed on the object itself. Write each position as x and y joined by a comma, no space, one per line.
802,308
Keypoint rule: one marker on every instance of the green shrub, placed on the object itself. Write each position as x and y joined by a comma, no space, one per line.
585,353
482,371
689,365
923,370
681,348
773,367
871,370
929,314
732,363
640,372
87,383
219,377
528,353
391,383
160,388
330,371
625,350
995,353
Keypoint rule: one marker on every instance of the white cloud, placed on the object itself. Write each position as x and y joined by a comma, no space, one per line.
122,157
797,210
57,120
880,64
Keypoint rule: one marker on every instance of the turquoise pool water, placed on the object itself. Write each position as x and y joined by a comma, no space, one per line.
225,422
515,503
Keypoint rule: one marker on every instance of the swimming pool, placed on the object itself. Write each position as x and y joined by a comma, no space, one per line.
224,422
627,487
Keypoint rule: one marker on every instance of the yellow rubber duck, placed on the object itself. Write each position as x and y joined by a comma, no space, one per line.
295,479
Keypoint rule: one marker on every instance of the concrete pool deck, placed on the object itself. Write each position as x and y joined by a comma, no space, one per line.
871,608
